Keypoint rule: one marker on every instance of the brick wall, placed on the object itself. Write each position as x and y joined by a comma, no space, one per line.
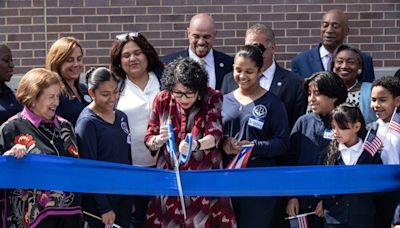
26,25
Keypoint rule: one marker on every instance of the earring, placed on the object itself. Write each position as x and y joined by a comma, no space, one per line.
359,71
333,70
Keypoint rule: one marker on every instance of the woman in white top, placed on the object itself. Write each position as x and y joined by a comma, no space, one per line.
135,61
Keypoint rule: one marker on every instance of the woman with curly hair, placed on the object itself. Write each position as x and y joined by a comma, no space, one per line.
192,107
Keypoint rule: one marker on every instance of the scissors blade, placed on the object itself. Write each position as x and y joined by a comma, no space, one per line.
179,183
172,151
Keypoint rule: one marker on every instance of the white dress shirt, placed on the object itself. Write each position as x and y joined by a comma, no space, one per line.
326,57
268,76
391,143
208,65
351,154
136,104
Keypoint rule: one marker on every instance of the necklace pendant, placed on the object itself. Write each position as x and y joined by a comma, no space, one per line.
240,108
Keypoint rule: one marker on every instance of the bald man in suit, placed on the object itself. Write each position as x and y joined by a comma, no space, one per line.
201,35
334,30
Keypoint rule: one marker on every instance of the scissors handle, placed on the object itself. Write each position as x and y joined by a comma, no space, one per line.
185,158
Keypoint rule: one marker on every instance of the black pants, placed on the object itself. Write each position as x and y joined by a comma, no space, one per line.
120,204
385,204
254,211
61,221
139,215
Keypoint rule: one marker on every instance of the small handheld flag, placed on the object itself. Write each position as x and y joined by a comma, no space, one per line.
395,122
240,160
299,221
372,142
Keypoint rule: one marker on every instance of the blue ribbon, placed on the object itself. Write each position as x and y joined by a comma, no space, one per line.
80,175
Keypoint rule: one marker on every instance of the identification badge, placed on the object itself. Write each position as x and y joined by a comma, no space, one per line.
256,123
328,134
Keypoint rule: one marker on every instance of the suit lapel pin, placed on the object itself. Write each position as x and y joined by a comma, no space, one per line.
279,84
221,65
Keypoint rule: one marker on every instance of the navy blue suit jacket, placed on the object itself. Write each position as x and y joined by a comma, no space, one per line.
309,62
285,85
223,64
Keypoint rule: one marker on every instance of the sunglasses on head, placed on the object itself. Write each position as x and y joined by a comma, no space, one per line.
126,36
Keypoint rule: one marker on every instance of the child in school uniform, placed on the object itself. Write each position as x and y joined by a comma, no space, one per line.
103,134
385,97
312,134
350,210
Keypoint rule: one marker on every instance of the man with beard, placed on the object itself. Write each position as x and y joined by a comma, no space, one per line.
334,30
201,34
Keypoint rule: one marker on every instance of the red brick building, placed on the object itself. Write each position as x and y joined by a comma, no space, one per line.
27,25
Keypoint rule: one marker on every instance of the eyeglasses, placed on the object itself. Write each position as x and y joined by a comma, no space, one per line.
126,36
181,94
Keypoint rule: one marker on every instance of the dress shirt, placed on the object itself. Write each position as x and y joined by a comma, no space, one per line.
326,57
268,76
391,143
351,154
208,65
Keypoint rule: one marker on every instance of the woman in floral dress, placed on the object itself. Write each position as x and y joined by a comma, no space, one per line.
37,130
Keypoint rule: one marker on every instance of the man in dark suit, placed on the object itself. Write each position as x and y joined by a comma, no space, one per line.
284,84
334,30
201,35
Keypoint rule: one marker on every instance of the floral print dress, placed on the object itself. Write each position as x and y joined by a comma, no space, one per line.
204,118
28,207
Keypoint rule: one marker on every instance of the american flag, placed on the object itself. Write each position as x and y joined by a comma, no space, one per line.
395,122
240,160
372,142
300,221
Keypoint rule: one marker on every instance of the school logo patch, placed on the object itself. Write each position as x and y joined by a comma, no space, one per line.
259,111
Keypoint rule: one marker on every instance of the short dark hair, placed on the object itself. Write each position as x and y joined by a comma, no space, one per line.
187,72
254,52
328,84
397,74
153,59
356,51
96,77
392,84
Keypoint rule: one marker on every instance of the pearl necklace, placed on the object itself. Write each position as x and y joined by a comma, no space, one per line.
354,85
